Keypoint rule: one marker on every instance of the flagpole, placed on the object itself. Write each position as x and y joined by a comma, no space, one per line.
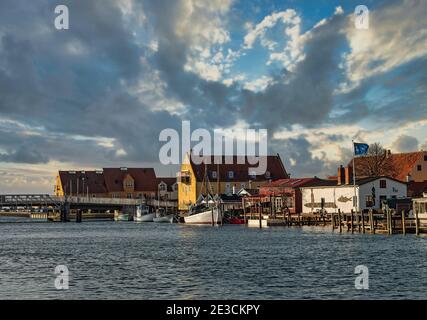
354,179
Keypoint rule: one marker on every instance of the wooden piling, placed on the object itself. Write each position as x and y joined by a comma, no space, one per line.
371,221
339,220
260,217
333,221
417,223
352,221
403,223
363,221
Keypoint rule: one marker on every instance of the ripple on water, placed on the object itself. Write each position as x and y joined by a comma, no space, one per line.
157,261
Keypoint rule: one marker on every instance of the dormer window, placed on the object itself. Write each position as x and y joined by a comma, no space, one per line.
129,184
230,174
162,187
214,175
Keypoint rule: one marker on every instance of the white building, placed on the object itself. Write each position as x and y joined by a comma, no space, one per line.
334,196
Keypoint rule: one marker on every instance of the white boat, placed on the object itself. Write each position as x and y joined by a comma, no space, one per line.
121,217
143,214
161,216
204,216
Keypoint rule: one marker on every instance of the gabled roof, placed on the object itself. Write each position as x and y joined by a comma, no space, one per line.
144,178
82,180
170,181
400,164
290,183
109,180
334,183
275,168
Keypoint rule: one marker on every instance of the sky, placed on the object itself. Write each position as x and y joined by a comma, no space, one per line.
99,94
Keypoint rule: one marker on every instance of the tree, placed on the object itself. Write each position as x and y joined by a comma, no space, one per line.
375,163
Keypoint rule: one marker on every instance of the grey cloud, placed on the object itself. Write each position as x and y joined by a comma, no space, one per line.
405,143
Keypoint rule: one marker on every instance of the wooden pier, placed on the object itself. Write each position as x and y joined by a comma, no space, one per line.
260,212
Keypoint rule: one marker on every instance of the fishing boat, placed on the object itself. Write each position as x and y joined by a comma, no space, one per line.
201,214
162,216
121,216
143,214
206,209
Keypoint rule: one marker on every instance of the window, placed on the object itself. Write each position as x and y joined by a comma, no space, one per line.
425,157
230,174
162,187
252,174
214,176
129,195
419,168
369,201
383,184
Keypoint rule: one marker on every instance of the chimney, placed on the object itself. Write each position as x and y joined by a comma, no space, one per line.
408,178
348,175
341,175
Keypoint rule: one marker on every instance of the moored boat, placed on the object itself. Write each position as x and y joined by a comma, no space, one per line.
162,216
204,216
143,214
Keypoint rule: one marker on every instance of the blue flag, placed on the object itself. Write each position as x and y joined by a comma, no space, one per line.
360,149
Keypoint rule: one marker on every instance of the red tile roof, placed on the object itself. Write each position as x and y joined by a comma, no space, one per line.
240,171
82,180
109,180
290,183
399,164
144,179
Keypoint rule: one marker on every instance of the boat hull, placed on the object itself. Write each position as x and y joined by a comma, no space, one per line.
145,218
205,217
165,219
122,217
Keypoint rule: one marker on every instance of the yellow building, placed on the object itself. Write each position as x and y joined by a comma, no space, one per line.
228,178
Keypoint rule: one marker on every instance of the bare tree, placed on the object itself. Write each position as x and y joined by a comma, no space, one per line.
375,163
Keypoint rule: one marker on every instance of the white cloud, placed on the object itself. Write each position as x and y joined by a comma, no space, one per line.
258,84
202,25
397,34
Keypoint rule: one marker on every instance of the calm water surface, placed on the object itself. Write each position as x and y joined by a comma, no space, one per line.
110,260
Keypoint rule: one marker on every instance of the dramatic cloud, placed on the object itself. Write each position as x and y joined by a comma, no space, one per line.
405,144
99,93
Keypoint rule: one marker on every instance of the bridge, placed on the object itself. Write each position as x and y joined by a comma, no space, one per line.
62,208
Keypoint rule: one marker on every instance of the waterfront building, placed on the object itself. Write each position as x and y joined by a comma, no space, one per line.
286,193
131,183
405,167
228,177
332,195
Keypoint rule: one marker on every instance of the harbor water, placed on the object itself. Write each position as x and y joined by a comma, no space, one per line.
126,260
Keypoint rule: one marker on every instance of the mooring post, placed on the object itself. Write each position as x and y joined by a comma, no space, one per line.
260,217
417,223
363,221
244,210
371,220
403,223
332,220
352,221
339,220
